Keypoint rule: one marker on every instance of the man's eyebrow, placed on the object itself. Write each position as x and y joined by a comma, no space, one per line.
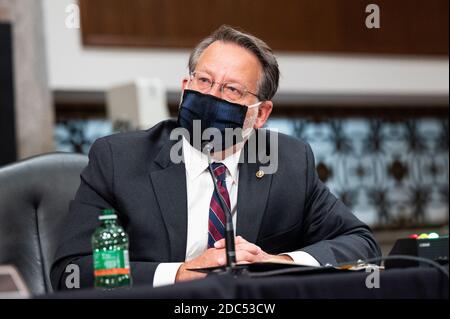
228,80
206,70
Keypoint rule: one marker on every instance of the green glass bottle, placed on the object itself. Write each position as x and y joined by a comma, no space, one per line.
110,253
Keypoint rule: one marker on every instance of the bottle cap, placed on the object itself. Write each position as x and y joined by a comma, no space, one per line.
108,211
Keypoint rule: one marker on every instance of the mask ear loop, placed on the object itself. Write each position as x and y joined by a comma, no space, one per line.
257,104
248,131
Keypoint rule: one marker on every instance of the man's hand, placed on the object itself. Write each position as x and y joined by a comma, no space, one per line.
247,252
209,258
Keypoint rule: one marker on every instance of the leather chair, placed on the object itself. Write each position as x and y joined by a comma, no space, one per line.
34,198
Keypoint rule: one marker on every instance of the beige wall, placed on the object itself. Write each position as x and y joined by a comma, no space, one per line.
33,106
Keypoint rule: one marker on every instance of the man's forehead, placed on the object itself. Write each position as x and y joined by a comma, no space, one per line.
223,59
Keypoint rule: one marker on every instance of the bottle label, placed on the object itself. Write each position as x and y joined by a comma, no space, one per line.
111,262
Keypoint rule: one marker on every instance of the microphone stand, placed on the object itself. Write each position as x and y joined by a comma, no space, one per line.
230,249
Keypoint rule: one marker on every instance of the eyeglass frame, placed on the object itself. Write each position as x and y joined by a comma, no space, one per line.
222,84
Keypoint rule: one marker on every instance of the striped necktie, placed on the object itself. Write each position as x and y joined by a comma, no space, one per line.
216,223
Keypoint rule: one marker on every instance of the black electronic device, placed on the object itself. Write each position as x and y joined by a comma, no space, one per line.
435,249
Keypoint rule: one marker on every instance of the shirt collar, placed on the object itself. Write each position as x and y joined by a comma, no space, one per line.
196,162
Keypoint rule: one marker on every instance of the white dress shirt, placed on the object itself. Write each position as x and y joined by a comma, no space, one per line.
200,188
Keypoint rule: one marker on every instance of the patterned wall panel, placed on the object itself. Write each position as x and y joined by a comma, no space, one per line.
389,173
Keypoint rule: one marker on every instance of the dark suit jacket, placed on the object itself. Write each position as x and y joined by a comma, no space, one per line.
132,172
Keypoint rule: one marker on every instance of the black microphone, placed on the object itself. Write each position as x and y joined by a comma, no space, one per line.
229,229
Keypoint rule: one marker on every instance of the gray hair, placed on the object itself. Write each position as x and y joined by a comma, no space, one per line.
268,85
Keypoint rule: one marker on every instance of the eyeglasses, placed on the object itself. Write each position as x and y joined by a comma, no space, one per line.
233,92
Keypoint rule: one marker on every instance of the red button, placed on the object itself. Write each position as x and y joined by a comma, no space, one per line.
413,236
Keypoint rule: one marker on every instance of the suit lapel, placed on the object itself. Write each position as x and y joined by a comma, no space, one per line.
169,184
253,193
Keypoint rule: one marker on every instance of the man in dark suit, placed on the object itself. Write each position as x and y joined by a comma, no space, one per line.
169,208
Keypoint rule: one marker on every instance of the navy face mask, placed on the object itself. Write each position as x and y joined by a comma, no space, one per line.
212,112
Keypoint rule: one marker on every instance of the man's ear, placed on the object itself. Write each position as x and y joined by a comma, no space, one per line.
184,83
264,111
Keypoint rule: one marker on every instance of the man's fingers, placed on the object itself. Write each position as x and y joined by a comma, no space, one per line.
244,256
237,240
220,243
240,244
251,248
245,252
221,261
